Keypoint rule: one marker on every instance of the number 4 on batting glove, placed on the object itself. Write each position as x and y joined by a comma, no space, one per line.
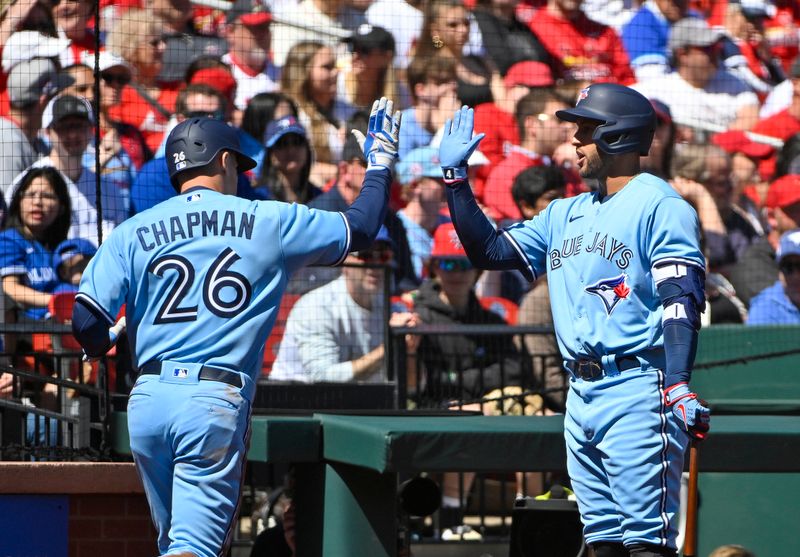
692,412
383,136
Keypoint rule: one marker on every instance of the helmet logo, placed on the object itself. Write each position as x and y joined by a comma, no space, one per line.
584,93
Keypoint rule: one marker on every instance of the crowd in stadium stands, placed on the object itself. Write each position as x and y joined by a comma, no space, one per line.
294,76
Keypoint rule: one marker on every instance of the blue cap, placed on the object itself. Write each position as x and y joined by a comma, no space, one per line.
789,244
278,128
70,248
422,162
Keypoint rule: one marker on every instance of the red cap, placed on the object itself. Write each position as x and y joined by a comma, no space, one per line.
256,18
219,79
784,191
736,141
446,243
530,74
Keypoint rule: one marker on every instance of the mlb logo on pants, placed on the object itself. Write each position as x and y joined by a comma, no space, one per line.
180,372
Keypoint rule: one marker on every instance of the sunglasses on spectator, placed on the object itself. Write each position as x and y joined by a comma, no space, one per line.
460,264
382,256
116,79
214,115
790,267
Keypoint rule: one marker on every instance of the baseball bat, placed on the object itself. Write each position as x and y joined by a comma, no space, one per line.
690,542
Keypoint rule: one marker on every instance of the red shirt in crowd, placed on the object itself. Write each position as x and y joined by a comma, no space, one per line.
136,111
497,192
781,125
501,130
584,49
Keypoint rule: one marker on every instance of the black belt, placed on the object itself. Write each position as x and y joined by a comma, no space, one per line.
593,369
206,372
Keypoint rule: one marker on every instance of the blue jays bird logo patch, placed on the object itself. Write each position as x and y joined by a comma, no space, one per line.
611,291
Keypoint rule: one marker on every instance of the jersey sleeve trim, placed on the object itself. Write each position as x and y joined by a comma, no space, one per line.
13,270
531,273
90,302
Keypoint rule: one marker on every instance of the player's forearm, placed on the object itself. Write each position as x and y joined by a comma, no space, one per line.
90,328
368,210
485,246
368,364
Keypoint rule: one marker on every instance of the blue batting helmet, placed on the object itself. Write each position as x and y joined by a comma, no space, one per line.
195,142
627,119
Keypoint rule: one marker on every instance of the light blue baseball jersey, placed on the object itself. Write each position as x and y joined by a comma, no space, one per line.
599,256
217,261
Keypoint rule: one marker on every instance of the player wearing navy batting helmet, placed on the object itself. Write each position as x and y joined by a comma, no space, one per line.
201,276
626,280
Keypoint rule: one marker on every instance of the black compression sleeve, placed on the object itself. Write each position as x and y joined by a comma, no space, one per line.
367,212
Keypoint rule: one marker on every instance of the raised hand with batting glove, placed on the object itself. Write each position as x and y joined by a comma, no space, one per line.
692,412
457,145
383,135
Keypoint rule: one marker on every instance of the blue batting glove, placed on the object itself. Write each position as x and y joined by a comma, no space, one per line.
457,145
383,136
692,413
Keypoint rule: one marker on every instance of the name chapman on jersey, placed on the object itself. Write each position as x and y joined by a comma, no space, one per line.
603,245
190,225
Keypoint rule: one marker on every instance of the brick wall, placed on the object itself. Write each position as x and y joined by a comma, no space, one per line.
108,512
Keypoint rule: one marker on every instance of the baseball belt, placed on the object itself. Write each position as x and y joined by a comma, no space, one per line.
593,369
206,372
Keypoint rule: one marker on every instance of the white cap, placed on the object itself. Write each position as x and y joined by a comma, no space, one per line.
105,60
25,45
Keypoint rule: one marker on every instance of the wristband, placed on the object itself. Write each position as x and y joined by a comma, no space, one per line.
454,174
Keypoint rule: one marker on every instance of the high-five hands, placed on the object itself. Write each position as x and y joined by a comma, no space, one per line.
457,145
383,136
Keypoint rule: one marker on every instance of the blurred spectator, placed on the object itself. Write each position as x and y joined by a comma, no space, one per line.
710,166
788,161
82,76
700,93
757,268
533,190
287,162
310,77
786,122
613,13
152,184
446,28
779,304
659,160
22,47
403,19
182,44
312,20
370,73
783,32
68,122
747,158
337,332
26,16
38,220
341,194
457,366
731,551
507,40
540,132
72,22
646,36
746,51
69,261
122,145
30,86
582,50
420,174
137,37
249,50
261,110
353,14
432,84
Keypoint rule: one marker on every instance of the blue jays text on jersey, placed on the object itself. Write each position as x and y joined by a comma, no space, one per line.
602,245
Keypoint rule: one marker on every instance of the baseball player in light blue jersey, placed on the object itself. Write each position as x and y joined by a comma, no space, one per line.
625,275
202,275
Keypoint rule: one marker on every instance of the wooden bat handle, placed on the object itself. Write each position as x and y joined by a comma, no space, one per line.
690,542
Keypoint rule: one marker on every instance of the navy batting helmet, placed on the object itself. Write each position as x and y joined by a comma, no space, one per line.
627,119
195,142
